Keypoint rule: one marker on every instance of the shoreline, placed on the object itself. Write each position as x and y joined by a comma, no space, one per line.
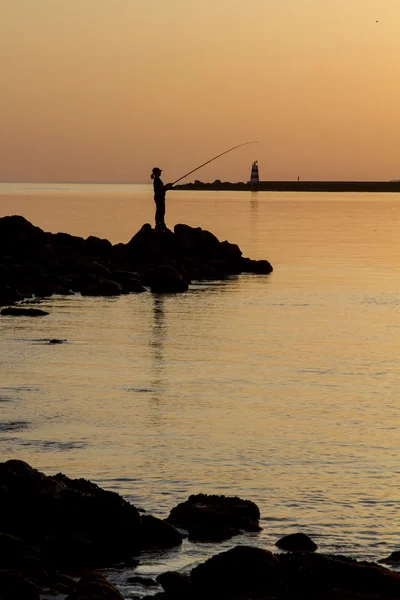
295,186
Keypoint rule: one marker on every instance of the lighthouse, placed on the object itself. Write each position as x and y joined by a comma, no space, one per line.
254,178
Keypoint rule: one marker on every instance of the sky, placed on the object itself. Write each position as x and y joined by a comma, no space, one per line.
104,90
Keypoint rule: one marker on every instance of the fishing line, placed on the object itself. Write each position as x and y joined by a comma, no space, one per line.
211,159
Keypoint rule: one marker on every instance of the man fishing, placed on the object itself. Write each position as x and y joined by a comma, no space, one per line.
159,198
160,188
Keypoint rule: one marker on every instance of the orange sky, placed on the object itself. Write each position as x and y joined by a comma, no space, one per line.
103,90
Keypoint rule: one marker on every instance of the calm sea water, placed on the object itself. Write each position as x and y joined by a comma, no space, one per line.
282,389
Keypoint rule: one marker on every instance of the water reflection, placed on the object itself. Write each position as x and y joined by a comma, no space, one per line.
254,210
157,347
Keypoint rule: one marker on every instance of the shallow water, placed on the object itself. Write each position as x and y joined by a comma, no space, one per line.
283,389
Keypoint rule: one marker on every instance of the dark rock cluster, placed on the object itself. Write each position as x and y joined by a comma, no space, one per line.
56,531
51,527
35,262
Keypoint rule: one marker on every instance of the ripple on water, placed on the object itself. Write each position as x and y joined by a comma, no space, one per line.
51,445
13,426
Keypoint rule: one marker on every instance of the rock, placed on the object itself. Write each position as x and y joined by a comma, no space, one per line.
229,252
73,521
23,312
18,237
103,288
215,518
95,246
176,585
195,242
8,295
393,559
95,586
243,569
129,282
296,542
211,532
259,267
14,586
155,533
166,280
336,577
150,244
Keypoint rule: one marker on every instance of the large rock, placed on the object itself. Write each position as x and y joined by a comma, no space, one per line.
176,585
215,518
74,521
18,237
297,542
243,569
336,577
252,573
155,533
8,295
94,586
58,512
166,280
103,288
258,267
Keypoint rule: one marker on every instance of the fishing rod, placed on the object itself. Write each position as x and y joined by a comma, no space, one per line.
211,159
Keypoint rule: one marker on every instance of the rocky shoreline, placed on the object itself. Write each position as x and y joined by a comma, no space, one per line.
57,533
37,263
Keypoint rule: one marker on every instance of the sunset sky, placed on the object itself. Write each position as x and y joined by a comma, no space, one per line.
103,90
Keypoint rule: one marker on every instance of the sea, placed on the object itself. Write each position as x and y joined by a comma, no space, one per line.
281,389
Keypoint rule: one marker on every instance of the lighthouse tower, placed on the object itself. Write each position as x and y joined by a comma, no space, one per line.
254,178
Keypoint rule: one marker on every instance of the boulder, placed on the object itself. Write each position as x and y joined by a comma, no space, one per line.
155,533
95,246
150,244
164,279
14,586
392,559
215,518
176,585
104,287
95,586
297,542
67,519
195,242
243,569
229,252
258,267
313,575
19,238
8,295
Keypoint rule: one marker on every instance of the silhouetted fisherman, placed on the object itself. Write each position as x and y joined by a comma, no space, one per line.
159,198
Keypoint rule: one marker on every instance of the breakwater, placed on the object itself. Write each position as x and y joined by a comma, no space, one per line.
296,186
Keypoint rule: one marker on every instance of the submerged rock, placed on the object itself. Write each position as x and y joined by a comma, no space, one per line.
23,312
